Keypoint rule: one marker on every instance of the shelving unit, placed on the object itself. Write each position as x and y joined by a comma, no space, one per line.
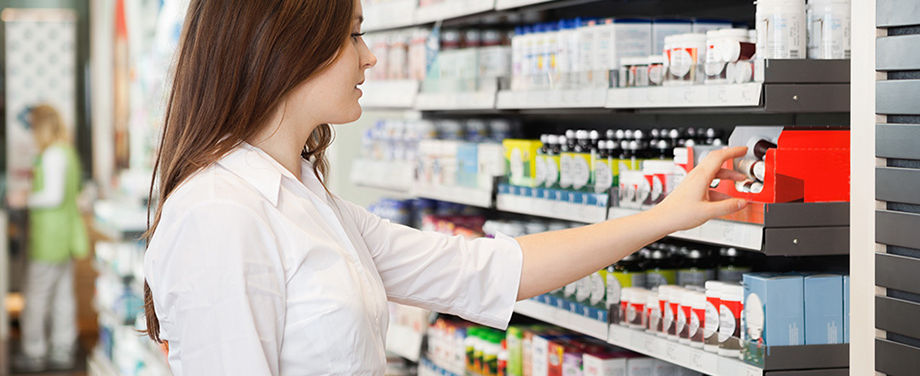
783,91
462,195
390,175
683,355
551,99
792,229
565,319
389,94
541,207
477,100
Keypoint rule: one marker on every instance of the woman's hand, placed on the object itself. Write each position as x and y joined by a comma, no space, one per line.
17,199
692,203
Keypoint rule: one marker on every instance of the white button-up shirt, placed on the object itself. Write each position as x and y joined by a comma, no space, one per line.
254,272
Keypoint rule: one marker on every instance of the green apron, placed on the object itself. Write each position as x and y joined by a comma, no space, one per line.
57,234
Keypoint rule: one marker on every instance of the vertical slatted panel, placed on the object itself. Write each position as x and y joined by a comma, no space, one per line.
897,351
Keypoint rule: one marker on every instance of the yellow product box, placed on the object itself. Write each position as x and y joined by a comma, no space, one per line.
521,159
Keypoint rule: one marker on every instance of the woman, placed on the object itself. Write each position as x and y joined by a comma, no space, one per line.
255,268
56,236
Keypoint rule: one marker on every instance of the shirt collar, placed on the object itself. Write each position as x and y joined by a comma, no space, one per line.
258,169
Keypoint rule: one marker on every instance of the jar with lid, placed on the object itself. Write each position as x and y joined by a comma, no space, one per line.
633,72
685,54
828,29
656,70
781,29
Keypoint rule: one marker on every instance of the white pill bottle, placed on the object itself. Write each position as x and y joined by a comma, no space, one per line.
828,29
781,32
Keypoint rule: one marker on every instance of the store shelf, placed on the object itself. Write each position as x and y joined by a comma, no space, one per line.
389,94
683,355
564,210
405,342
389,15
788,229
562,318
429,368
119,220
547,99
452,9
390,175
462,195
697,96
508,4
479,100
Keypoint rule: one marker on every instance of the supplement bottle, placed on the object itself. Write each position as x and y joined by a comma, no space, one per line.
540,160
711,323
566,159
660,270
603,174
698,267
781,30
551,162
730,309
628,272
732,265
581,163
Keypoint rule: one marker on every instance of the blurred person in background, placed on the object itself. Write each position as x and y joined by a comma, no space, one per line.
56,236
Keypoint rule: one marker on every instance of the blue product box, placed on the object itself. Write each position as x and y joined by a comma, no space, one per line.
578,197
824,309
516,190
591,199
774,313
468,164
539,193
846,309
562,304
586,310
504,188
526,191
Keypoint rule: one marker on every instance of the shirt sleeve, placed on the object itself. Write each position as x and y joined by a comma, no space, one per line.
474,279
218,287
54,171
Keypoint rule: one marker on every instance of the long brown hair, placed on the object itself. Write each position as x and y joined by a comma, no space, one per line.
237,61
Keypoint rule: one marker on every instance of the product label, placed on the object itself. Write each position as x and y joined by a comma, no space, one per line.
729,320
540,165
655,74
712,318
603,177
682,61
570,289
781,35
598,288
681,323
754,317
829,31
581,171
618,280
516,164
667,319
634,314
654,318
565,172
551,166
693,331
583,289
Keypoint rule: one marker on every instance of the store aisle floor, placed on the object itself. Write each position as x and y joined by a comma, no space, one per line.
79,369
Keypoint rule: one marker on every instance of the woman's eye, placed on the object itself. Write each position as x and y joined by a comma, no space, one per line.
355,36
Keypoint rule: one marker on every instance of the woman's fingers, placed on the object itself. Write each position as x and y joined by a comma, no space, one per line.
726,174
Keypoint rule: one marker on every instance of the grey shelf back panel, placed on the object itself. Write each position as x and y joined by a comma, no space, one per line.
897,53
804,215
892,13
897,272
897,228
897,97
898,316
782,358
896,359
897,184
798,71
897,141
807,241
806,98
